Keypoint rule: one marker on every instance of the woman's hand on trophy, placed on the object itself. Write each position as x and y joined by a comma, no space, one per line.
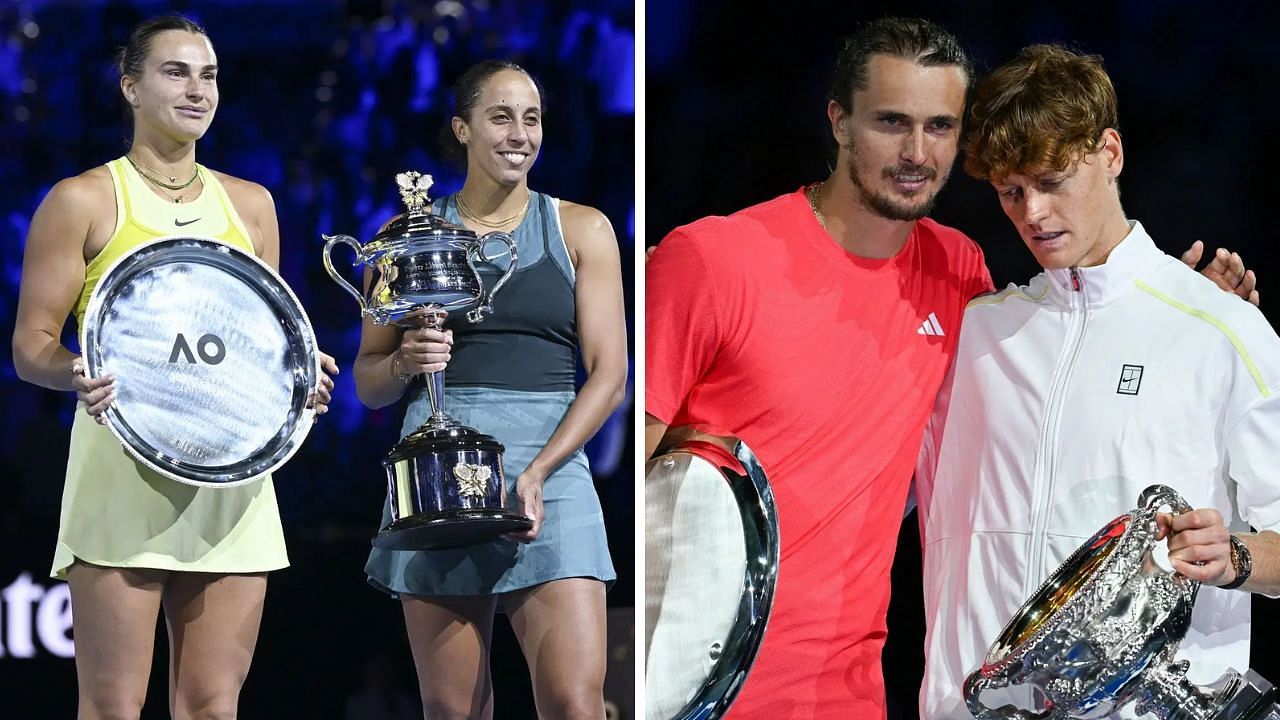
323,393
424,350
529,493
1199,545
97,394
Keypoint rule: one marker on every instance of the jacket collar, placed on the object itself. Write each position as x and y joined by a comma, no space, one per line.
1103,283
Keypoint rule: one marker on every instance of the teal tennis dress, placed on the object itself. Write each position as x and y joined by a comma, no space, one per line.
512,376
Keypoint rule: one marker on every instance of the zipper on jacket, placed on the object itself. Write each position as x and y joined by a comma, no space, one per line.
1047,452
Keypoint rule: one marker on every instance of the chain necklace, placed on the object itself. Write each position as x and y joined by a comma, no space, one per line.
154,176
462,207
164,187
811,192
180,197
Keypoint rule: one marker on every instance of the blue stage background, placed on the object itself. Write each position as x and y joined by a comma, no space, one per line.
321,102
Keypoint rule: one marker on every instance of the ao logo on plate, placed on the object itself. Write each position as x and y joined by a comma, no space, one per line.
209,347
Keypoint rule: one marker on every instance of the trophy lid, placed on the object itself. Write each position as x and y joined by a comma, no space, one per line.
418,221
432,438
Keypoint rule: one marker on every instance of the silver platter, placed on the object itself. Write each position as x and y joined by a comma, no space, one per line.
214,360
711,567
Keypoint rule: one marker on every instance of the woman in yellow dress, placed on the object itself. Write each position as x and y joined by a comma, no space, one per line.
131,541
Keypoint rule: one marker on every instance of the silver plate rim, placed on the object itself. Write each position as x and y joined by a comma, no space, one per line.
762,540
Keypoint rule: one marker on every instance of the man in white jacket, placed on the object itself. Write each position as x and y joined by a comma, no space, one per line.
1116,368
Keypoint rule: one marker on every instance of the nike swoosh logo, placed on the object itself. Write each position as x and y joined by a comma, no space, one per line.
179,223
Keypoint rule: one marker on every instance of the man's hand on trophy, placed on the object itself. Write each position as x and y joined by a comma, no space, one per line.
1199,545
323,394
97,393
529,493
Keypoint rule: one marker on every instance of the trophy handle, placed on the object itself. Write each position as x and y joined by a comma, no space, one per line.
486,297
976,683
328,264
1156,496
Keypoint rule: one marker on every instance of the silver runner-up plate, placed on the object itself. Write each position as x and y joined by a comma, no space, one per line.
710,571
214,360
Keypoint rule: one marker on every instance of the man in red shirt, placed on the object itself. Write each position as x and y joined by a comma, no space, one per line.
817,328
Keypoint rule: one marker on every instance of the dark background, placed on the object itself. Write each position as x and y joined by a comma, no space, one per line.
735,111
322,102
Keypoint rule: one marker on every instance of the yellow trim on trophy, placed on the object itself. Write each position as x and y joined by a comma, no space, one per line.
1221,326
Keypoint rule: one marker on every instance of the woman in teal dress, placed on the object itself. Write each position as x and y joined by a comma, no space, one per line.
512,376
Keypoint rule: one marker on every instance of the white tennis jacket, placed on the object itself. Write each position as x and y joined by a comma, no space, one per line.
1066,398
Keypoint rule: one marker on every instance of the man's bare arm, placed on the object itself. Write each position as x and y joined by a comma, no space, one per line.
654,429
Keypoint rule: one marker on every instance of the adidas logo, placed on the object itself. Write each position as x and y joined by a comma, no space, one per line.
930,326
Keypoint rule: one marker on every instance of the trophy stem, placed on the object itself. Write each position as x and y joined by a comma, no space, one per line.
435,380
1179,700
435,393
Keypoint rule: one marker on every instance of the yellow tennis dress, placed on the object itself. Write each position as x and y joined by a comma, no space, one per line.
117,512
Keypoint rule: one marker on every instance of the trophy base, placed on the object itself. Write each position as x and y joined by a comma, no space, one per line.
1253,698
449,529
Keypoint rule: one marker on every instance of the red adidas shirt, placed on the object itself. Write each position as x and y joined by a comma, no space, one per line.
759,326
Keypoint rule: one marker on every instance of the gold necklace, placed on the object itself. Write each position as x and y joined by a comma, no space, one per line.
462,207
180,197
154,176
176,198
811,192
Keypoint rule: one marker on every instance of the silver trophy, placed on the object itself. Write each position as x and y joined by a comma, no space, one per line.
1103,630
445,479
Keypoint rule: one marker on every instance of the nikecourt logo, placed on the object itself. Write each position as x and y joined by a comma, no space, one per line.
930,326
1130,379
179,223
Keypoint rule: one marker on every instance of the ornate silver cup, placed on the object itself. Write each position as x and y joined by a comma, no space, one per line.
420,263
1103,630
445,479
